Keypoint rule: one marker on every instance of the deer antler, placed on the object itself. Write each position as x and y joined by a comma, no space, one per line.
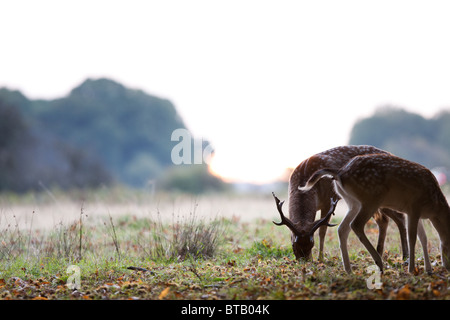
324,221
284,221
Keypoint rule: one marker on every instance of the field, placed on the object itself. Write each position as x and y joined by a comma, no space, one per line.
125,244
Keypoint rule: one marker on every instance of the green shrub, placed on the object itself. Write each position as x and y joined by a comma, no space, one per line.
188,237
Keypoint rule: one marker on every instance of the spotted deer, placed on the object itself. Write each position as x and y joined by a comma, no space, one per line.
304,205
368,182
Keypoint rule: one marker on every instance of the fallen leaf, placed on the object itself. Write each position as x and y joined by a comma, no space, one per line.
404,293
238,249
39,298
438,288
164,293
230,263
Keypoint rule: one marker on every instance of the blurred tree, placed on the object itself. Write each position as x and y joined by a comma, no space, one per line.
406,134
31,158
13,134
121,126
193,179
102,131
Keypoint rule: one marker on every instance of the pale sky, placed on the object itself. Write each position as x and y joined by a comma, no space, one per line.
269,83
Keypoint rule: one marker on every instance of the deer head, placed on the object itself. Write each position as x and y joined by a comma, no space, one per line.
303,241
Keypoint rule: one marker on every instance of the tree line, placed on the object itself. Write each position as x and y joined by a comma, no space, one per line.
101,133
407,134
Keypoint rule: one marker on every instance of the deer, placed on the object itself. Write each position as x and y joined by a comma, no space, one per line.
369,182
304,205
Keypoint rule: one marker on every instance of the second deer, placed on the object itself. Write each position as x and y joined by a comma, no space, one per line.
369,182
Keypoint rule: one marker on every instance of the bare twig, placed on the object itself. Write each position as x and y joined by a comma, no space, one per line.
114,236
140,269
81,232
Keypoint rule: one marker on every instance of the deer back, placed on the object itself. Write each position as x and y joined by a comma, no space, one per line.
394,182
304,205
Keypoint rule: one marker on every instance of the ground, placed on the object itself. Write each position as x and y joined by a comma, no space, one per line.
138,251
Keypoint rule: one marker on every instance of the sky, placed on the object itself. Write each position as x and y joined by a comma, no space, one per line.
268,83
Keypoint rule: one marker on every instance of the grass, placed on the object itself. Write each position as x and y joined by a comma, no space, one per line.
188,256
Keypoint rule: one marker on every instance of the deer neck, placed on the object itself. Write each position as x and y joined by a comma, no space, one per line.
303,208
441,222
304,205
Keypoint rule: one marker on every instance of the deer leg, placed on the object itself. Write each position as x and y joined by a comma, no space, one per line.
442,227
357,226
382,222
400,220
343,231
424,241
323,229
412,237
322,233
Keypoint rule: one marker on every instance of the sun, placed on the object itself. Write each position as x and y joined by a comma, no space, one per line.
236,170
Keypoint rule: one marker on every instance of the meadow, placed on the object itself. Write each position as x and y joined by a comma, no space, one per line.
128,244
